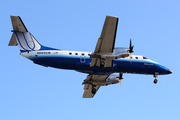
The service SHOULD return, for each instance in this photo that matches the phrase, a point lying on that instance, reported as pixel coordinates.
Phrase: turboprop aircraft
(99, 65)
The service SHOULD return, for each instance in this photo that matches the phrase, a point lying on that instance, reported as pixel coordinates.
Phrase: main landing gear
(155, 80)
(93, 89)
(102, 63)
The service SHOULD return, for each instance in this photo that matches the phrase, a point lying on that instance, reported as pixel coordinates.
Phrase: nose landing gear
(155, 80)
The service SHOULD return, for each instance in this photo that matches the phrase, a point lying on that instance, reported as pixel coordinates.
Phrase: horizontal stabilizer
(13, 41)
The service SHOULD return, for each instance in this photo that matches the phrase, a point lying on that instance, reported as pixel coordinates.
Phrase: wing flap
(89, 89)
(99, 78)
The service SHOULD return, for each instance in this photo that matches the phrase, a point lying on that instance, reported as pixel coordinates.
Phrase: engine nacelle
(112, 79)
(117, 53)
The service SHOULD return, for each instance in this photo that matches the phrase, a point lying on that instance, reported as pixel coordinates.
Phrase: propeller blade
(120, 78)
(131, 47)
(130, 50)
(130, 44)
(120, 83)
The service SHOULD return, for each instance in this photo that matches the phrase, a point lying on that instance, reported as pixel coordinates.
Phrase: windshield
(144, 57)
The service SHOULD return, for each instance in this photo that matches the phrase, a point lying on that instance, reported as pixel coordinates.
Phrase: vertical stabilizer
(22, 37)
(18, 24)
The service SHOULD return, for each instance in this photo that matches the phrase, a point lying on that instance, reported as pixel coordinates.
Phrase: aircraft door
(83, 58)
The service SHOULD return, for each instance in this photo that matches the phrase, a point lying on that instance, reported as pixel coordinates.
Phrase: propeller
(131, 49)
(120, 78)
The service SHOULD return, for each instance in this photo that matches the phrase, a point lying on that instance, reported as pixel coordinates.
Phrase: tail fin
(22, 37)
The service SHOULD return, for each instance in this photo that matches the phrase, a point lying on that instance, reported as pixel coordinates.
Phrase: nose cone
(169, 72)
(163, 70)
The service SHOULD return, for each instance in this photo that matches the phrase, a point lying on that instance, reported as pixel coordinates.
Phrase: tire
(155, 81)
(93, 90)
(102, 64)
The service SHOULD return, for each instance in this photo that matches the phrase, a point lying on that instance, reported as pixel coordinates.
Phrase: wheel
(93, 90)
(155, 81)
(102, 64)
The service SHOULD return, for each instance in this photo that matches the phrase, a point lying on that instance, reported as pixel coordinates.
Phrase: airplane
(99, 65)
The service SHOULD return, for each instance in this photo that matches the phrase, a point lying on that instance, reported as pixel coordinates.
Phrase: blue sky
(32, 92)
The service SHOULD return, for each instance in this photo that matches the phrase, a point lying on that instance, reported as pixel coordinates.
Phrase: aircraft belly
(72, 64)
(58, 62)
(136, 67)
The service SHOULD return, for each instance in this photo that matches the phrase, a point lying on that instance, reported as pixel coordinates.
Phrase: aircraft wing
(105, 45)
(89, 89)
(106, 41)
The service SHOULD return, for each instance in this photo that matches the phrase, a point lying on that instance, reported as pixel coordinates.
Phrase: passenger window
(76, 53)
(82, 53)
(70, 53)
(136, 57)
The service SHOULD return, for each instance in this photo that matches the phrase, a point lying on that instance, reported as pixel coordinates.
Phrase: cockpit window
(144, 57)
